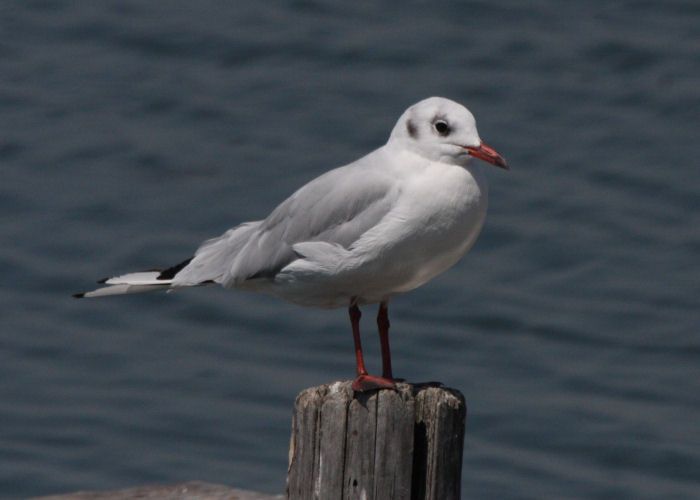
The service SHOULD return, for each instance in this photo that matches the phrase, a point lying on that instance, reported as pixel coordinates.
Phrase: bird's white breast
(438, 216)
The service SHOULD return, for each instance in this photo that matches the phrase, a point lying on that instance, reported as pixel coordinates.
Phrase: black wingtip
(170, 273)
(103, 281)
(78, 295)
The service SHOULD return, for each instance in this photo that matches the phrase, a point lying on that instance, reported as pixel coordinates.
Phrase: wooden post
(384, 445)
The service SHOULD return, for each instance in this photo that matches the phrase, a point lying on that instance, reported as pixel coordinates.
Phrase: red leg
(355, 316)
(383, 324)
(363, 381)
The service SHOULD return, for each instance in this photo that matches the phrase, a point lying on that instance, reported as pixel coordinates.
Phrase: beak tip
(488, 154)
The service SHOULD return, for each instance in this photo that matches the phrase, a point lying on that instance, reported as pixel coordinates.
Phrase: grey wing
(336, 208)
(213, 258)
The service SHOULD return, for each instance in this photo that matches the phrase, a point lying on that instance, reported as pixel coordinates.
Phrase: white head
(442, 130)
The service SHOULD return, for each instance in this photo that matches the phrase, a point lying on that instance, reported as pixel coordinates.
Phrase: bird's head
(443, 130)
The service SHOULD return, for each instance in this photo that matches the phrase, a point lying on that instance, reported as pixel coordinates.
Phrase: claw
(365, 383)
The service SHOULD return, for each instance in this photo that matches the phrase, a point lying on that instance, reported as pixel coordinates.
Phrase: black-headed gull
(359, 234)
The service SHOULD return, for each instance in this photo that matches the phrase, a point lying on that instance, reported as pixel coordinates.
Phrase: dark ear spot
(411, 128)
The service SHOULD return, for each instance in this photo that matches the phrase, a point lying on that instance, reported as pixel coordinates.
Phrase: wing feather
(336, 208)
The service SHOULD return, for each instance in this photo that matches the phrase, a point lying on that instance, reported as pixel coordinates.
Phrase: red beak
(487, 153)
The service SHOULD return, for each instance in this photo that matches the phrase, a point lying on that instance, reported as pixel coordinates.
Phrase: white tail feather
(146, 281)
(122, 289)
(140, 278)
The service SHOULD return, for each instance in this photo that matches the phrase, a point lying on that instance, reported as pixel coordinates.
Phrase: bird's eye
(442, 127)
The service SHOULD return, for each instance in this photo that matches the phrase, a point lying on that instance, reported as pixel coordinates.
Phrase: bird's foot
(369, 383)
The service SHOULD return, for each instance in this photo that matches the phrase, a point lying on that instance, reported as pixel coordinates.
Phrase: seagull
(359, 234)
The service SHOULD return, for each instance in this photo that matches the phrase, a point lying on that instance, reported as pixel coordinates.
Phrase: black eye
(442, 127)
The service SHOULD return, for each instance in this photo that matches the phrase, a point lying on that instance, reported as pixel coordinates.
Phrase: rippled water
(131, 131)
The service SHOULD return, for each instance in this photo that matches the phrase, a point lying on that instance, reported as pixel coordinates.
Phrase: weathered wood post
(382, 445)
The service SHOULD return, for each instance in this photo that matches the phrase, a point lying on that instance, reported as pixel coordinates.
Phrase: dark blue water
(131, 131)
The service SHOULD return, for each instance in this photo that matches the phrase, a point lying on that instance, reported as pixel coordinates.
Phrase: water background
(131, 131)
